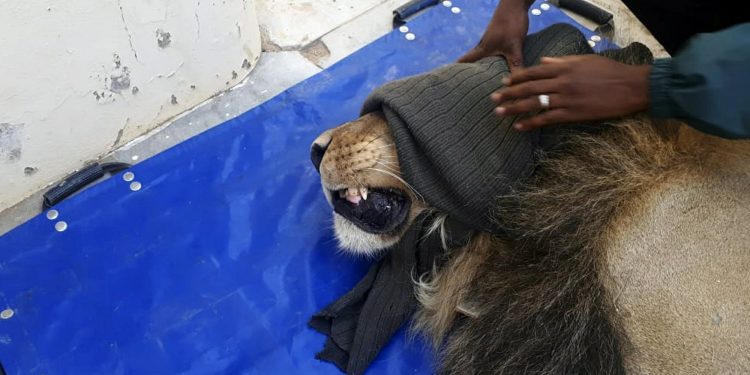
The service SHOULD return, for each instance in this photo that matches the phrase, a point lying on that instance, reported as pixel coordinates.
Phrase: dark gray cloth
(361, 322)
(451, 147)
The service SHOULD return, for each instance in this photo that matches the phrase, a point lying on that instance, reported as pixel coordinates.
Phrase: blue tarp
(216, 264)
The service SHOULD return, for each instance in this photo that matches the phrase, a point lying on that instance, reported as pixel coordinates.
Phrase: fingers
(523, 90)
(544, 71)
(553, 60)
(474, 55)
(514, 57)
(553, 116)
(529, 104)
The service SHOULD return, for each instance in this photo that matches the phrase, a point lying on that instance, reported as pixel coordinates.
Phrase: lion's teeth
(363, 192)
(352, 192)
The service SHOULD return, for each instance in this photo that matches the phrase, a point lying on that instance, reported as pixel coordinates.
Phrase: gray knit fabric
(452, 149)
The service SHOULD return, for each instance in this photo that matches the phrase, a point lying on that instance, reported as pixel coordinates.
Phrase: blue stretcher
(216, 264)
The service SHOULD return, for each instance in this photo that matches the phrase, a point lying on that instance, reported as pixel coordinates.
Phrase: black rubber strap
(2, 370)
(78, 181)
(588, 10)
(402, 13)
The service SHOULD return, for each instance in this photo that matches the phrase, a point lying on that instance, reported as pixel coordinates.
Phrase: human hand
(580, 88)
(504, 35)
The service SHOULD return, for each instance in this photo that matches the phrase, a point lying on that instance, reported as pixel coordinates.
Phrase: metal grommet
(592, 43)
(52, 214)
(404, 29)
(536, 12)
(135, 186)
(447, 4)
(456, 10)
(544, 6)
(410, 36)
(128, 176)
(61, 226)
(596, 38)
(7, 313)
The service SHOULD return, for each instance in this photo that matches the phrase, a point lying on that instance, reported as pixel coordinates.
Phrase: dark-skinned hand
(580, 88)
(504, 35)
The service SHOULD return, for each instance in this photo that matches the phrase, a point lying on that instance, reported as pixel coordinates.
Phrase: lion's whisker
(398, 178)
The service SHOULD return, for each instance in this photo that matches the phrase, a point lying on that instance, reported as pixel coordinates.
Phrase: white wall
(79, 78)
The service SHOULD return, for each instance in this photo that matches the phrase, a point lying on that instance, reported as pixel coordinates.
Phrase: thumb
(475, 54)
(514, 59)
(552, 60)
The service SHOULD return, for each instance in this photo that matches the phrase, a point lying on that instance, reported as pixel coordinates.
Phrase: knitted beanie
(451, 147)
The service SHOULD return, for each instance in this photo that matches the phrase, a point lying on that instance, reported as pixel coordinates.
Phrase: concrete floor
(290, 56)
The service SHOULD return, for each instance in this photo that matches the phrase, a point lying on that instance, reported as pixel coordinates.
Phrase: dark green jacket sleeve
(707, 84)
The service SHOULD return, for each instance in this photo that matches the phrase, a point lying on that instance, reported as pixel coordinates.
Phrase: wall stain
(10, 142)
(119, 134)
(163, 38)
(119, 78)
(173, 100)
(28, 171)
(104, 96)
(115, 82)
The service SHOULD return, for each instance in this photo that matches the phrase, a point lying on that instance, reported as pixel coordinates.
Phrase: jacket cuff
(661, 104)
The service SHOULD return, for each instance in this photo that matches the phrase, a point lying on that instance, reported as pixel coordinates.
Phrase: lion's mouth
(374, 210)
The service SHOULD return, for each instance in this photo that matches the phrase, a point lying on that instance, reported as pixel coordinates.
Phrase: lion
(626, 251)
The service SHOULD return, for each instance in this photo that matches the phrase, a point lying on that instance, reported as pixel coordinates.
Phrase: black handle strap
(78, 181)
(402, 13)
(588, 10)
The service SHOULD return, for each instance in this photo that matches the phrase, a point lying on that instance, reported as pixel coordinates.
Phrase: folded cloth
(361, 322)
(459, 156)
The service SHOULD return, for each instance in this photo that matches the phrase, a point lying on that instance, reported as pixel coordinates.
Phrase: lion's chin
(356, 241)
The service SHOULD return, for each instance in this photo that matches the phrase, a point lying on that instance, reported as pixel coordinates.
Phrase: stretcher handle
(402, 13)
(587, 10)
(78, 181)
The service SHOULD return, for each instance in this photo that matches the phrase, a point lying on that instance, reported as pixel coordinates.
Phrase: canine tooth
(352, 191)
(363, 192)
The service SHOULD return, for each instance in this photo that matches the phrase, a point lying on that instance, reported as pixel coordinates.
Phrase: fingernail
(500, 111)
(518, 126)
(505, 81)
(495, 97)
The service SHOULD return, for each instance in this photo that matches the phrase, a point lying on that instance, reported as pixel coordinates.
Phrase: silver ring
(544, 101)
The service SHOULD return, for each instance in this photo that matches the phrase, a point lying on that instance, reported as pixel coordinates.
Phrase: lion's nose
(318, 149)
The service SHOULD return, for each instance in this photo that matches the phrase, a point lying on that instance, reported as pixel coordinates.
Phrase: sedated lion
(628, 252)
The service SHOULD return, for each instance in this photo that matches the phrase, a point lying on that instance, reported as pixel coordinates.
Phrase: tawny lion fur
(590, 277)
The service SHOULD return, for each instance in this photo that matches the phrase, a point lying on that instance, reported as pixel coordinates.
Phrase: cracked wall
(84, 77)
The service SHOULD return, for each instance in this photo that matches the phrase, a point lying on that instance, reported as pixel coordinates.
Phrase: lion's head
(373, 205)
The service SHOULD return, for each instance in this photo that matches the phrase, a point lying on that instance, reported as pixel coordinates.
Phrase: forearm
(512, 6)
(510, 9)
(707, 84)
